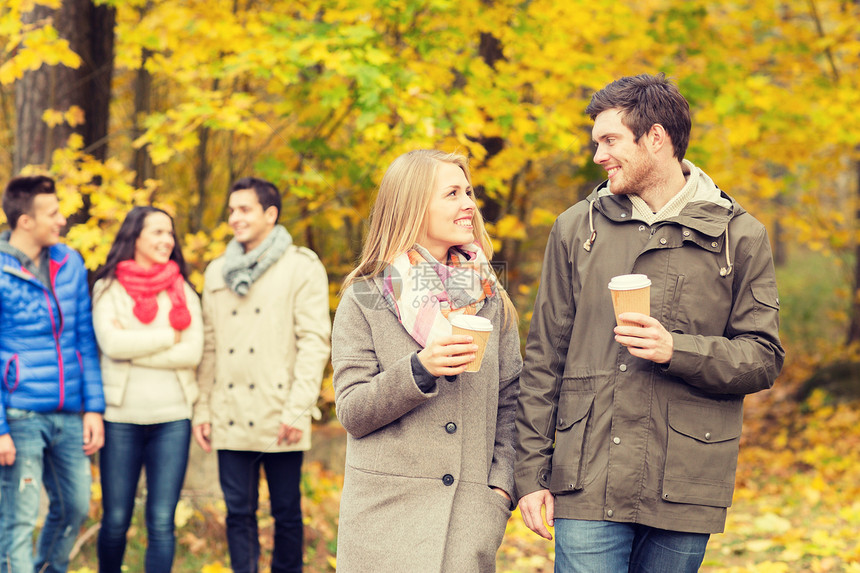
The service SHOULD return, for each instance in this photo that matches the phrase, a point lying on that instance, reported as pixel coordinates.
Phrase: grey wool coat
(419, 467)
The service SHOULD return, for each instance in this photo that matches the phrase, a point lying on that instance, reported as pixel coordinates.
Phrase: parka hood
(709, 211)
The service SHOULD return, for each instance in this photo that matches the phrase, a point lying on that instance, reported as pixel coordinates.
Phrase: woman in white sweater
(148, 324)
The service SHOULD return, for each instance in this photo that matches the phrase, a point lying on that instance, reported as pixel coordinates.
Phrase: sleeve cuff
(426, 382)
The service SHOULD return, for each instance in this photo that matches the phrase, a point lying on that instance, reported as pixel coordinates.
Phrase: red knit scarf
(143, 285)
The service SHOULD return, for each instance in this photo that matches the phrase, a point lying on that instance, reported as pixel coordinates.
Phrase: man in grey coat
(628, 435)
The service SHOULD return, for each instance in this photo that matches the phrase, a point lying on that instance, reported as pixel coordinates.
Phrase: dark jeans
(240, 478)
(162, 449)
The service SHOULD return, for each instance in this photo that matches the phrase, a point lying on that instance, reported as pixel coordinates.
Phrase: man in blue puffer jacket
(51, 398)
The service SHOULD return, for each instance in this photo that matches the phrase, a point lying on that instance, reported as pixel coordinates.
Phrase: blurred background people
(49, 363)
(149, 328)
(267, 328)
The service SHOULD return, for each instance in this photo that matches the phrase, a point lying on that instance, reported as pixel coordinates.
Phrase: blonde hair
(402, 200)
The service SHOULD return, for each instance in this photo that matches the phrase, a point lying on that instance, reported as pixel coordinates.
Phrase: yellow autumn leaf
(74, 116)
(510, 226)
(53, 117)
(542, 217)
(184, 512)
(772, 523)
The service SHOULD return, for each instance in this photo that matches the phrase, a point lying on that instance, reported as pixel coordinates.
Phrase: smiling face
(45, 222)
(250, 223)
(630, 167)
(156, 241)
(450, 213)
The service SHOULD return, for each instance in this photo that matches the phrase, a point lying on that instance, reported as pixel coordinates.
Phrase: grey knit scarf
(241, 269)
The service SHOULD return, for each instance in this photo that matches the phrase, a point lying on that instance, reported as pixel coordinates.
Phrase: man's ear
(658, 138)
(271, 215)
(25, 222)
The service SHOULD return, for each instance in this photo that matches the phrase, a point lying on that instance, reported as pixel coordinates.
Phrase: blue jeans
(240, 479)
(609, 547)
(49, 452)
(162, 450)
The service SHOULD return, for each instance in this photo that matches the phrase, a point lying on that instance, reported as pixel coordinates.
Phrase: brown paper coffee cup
(630, 293)
(479, 328)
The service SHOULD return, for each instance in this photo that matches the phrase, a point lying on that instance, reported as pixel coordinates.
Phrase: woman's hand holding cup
(448, 355)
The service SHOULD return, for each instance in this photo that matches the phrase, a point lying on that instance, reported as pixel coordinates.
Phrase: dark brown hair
(20, 193)
(645, 100)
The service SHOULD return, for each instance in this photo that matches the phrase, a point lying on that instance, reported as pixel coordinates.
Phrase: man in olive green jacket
(628, 435)
(266, 327)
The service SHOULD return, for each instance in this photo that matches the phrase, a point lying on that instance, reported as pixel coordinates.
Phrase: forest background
(129, 102)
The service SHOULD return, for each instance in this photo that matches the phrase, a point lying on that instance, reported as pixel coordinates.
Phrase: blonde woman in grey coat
(430, 452)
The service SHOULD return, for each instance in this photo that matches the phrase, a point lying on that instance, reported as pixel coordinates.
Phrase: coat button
(610, 513)
(448, 479)
(663, 241)
(251, 350)
(450, 427)
(251, 423)
(257, 310)
(230, 351)
(616, 440)
(641, 227)
(623, 368)
(707, 435)
(230, 385)
(686, 233)
(251, 387)
(230, 423)
(234, 312)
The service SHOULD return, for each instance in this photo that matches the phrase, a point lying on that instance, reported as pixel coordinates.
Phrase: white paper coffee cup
(630, 293)
(479, 328)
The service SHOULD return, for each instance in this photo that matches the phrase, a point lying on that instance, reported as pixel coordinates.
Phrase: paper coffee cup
(479, 328)
(630, 293)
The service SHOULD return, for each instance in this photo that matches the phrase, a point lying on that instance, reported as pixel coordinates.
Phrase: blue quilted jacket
(48, 353)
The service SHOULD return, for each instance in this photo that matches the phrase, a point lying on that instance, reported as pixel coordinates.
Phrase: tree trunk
(854, 327)
(143, 168)
(89, 31)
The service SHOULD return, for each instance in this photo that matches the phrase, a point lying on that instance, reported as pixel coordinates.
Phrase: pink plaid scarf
(425, 292)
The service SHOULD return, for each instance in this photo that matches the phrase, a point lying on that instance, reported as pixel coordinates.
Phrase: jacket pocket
(702, 452)
(570, 458)
(675, 308)
(11, 374)
(766, 293)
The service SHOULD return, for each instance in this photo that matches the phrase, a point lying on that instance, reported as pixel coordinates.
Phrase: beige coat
(264, 353)
(124, 340)
(416, 494)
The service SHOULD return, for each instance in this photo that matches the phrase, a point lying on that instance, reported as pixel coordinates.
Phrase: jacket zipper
(59, 353)
(58, 332)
